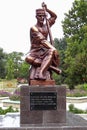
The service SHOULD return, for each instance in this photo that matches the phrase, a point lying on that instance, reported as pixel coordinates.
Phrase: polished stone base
(56, 111)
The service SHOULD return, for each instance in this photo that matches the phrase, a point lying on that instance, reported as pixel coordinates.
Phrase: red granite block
(42, 116)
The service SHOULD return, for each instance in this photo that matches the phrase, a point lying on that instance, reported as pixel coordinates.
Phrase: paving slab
(11, 121)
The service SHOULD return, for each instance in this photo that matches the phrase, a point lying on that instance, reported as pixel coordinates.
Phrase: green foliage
(2, 63)
(14, 61)
(12, 65)
(79, 91)
(75, 19)
(76, 93)
(76, 110)
(10, 69)
(57, 78)
(60, 45)
(82, 86)
(9, 109)
(24, 70)
(16, 95)
(85, 86)
(75, 32)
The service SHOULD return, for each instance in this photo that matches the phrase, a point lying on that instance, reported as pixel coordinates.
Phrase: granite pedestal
(42, 105)
(36, 118)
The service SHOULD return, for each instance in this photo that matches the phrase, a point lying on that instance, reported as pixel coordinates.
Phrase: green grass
(79, 91)
(8, 85)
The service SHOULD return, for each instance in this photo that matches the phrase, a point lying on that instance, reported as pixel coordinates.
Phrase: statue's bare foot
(36, 76)
(42, 77)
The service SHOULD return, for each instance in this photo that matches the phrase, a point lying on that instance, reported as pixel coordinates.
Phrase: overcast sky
(17, 16)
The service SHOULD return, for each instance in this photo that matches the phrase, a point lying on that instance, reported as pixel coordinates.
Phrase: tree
(60, 45)
(75, 19)
(75, 32)
(2, 63)
(24, 70)
(14, 62)
(10, 69)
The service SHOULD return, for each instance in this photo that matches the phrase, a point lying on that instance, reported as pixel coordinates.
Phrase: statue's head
(40, 15)
(40, 12)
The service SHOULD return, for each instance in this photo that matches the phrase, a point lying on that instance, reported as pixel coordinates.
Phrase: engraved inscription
(43, 101)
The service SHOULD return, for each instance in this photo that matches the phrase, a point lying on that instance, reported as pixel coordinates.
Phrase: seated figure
(43, 56)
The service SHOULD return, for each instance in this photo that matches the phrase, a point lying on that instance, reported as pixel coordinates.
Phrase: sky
(17, 16)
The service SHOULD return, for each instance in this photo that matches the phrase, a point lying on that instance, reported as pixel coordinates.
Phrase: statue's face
(40, 18)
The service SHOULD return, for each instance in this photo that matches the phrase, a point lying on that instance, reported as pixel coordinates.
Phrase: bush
(9, 109)
(76, 110)
(76, 93)
(16, 95)
(82, 86)
(79, 91)
(85, 86)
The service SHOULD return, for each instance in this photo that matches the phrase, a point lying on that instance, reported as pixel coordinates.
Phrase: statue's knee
(29, 60)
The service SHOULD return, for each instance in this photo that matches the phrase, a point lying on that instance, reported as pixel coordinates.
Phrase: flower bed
(4, 93)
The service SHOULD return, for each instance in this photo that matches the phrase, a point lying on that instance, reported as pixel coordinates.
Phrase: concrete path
(13, 119)
(10, 120)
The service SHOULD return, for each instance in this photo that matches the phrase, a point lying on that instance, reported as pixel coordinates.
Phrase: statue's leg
(32, 72)
(33, 61)
(46, 64)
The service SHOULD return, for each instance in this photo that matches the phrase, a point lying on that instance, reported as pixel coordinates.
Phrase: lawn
(8, 85)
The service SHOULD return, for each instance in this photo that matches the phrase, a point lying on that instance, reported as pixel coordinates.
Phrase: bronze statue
(43, 56)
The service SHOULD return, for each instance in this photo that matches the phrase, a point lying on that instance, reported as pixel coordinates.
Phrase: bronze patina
(43, 56)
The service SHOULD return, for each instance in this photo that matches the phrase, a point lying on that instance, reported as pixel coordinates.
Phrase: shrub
(82, 86)
(9, 109)
(16, 95)
(77, 92)
(85, 86)
(76, 110)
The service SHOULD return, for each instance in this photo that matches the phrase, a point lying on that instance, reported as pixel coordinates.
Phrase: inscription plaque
(43, 100)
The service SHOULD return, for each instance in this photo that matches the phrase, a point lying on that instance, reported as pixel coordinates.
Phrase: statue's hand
(44, 5)
(60, 71)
